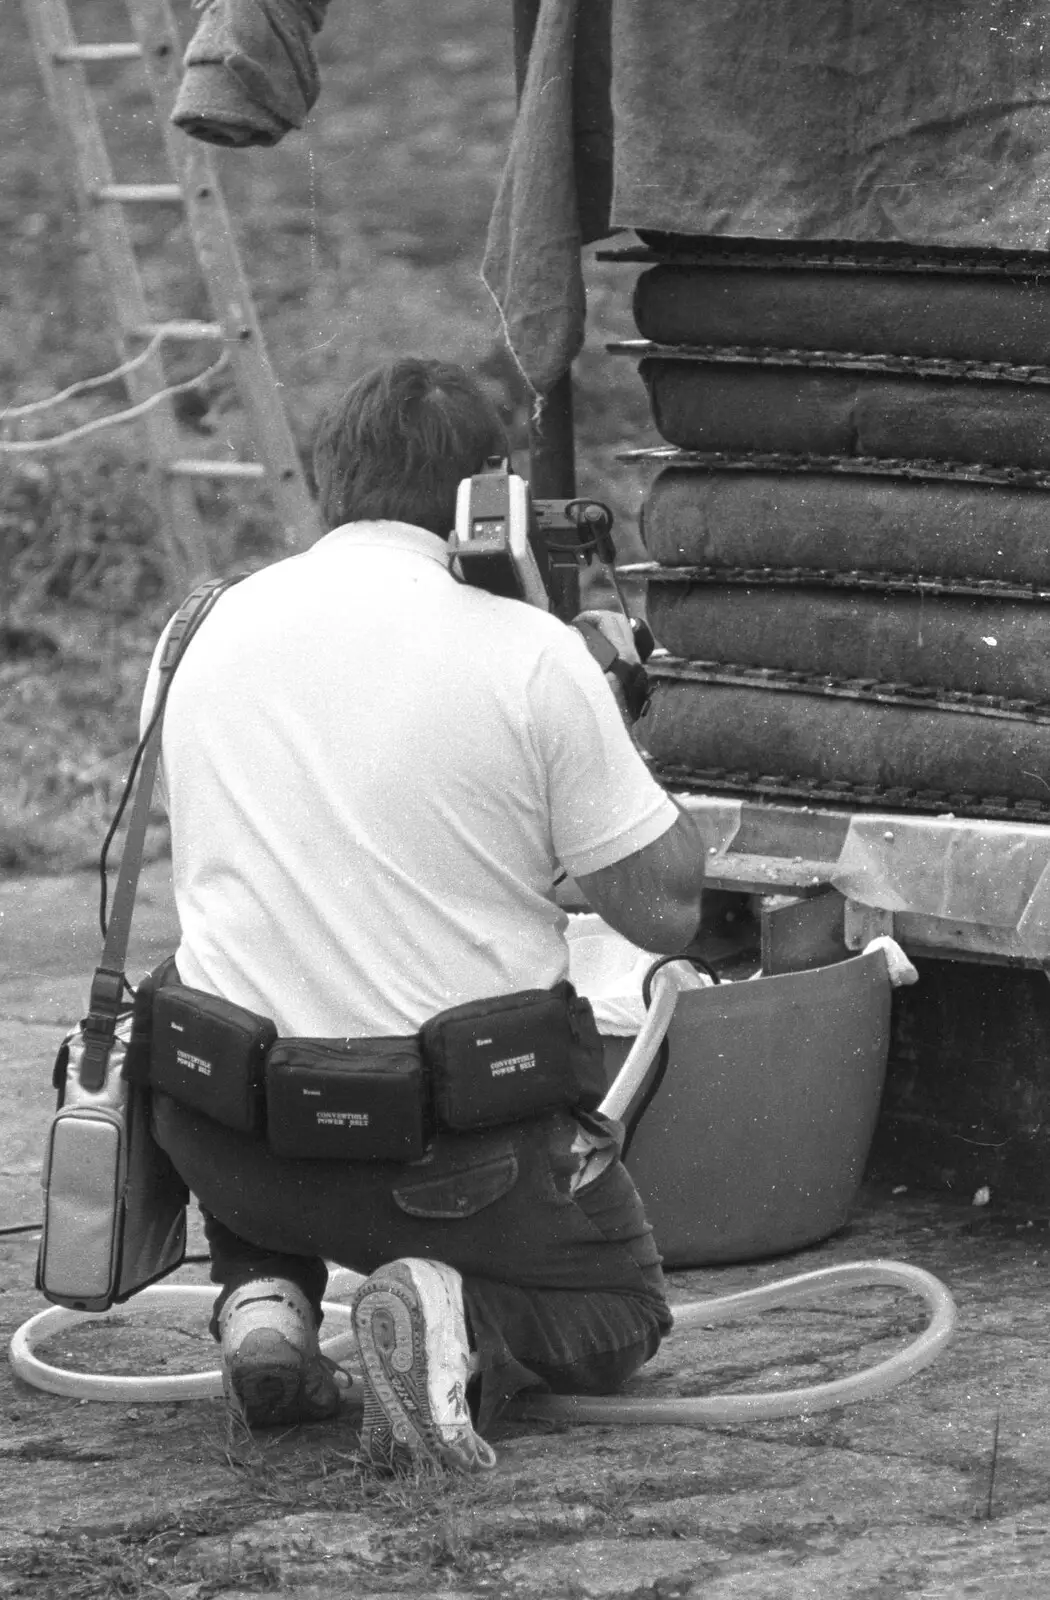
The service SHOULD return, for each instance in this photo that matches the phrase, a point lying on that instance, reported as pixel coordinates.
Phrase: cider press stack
(850, 533)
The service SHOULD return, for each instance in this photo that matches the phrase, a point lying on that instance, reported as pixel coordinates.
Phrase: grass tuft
(117, 1567)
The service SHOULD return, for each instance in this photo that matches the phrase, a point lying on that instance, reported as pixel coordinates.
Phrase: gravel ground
(937, 1490)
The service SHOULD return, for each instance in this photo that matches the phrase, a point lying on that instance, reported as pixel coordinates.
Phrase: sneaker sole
(397, 1427)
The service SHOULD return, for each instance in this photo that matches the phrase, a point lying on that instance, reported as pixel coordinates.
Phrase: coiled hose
(691, 1412)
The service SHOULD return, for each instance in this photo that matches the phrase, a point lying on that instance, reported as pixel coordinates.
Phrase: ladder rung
(97, 52)
(178, 330)
(130, 194)
(186, 186)
(216, 469)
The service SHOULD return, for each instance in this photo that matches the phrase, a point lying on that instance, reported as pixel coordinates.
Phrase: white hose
(668, 983)
(117, 1386)
(689, 1413)
(711, 1410)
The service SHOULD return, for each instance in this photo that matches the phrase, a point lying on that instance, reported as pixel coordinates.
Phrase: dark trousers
(562, 1291)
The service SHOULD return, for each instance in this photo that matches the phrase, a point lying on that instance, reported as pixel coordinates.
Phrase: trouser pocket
(461, 1191)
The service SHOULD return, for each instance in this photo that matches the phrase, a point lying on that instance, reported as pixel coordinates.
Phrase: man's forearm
(653, 897)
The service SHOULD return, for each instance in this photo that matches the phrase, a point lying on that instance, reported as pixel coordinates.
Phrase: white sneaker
(412, 1334)
(272, 1366)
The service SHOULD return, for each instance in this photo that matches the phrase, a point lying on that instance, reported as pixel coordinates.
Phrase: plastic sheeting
(981, 872)
(991, 874)
(924, 121)
(608, 970)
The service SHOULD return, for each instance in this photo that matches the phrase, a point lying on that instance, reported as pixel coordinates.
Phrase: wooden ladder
(64, 65)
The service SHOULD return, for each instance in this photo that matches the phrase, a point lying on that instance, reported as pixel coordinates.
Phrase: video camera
(512, 545)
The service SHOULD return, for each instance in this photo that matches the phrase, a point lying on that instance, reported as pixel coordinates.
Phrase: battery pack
(208, 1054)
(83, 1182)
(347, 1099)
(114, 1207)
(515, 1057)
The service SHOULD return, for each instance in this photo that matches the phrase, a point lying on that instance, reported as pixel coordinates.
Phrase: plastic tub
(756, 1139)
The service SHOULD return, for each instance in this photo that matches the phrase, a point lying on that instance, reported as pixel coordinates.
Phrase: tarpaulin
(554, 193)
(926, 121)
(918, 121)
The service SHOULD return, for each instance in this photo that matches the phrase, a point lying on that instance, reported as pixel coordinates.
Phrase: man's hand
(615, 627)
(615, 632)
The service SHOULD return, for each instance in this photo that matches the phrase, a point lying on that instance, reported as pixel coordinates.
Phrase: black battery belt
(478, 1065)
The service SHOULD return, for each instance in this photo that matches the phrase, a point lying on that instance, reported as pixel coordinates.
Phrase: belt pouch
(347, 1099)
(504, 1060)
(208, 1055)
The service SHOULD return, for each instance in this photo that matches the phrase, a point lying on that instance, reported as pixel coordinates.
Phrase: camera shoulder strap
(107, 986)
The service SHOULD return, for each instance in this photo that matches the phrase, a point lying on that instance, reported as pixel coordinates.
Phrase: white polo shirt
(374, 774)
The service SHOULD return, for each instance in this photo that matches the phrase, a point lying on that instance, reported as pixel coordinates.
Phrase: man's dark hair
(398, 443)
